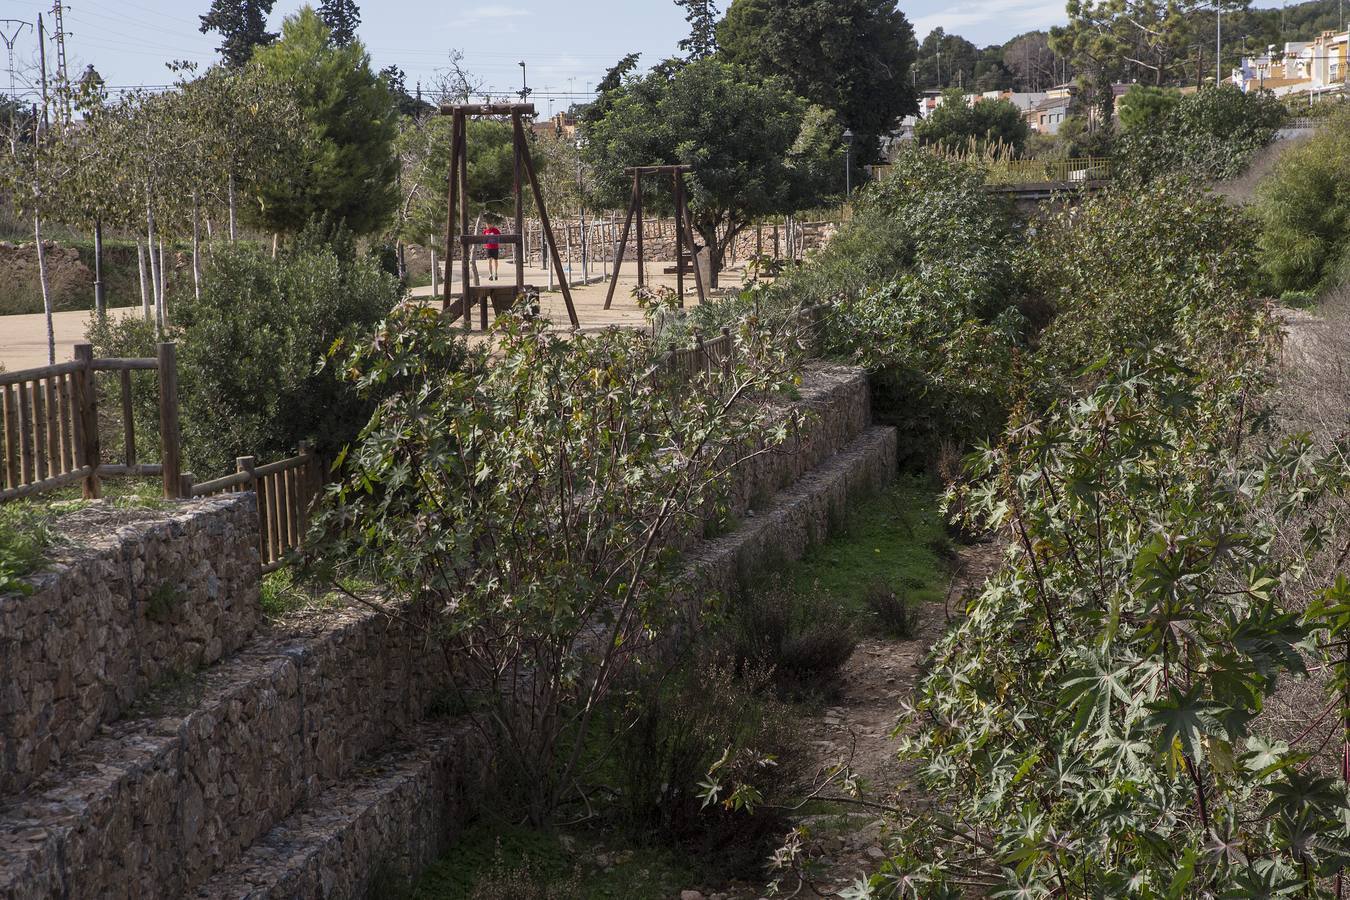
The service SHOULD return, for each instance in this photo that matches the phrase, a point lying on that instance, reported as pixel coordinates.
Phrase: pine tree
(702, 17)
(242, 25)
(342, 17)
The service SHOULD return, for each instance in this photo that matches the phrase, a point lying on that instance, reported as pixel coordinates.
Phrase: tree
(424, 147)
(946, 60)
(961, 127)
(702, 17)
(1145, 107)
(851, 56)
(349, 170)
(342, 18)
(1304, 208)
(242, 25)
(553, 472)
(739, 134)
(1032, 62)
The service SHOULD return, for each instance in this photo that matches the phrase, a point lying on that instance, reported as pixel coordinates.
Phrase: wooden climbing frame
(459, 202)
(684, 230)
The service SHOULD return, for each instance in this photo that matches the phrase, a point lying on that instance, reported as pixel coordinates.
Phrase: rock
(875, 852)
(691, 895)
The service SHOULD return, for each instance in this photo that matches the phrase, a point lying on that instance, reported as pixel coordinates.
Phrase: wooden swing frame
(459, 191)
(684, 230)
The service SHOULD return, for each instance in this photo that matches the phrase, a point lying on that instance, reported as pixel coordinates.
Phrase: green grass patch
(25, 535)
(895, 540)
(500, 861)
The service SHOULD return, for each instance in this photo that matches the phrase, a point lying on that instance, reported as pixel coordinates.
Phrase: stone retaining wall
(200, 770)
(369, 836)
(115, 615)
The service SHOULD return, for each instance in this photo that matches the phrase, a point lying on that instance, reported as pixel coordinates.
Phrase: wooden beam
(450, 222)
(518, 195)
(487, 109)
(623, 245)
(544, 223)
(463, 176)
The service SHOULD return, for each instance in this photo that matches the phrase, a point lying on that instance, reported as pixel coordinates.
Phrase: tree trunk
(163, 297)
(401, 255)
(276, 240)
(234, 231)
(140, 265)
(155, 282)
(100, 290)
(435, 275)
(196, 250)
(46, 289)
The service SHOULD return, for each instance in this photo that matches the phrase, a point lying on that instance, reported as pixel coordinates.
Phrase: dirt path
(875, 682)
(23, 339)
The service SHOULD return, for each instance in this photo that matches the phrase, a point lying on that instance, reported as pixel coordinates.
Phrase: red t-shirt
(493, 230)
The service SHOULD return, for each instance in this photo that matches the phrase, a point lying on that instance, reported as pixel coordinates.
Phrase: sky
(566, 44)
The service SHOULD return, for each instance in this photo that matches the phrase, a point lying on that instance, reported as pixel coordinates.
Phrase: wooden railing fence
(51, 425)
(718, 355)
(286, 492)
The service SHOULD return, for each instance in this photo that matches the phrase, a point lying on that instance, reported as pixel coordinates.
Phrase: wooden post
(623, 245)
(246, 464)
(128, 420)
(450, 220)
(543, 219)
(518, 194)
(677, 184)
(310, 483)
(169, 435)
(683, 212)
(86, 402)
(641, 257)
(726, 355)
(465, 262)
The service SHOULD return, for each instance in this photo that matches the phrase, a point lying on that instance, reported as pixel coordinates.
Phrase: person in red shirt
(494, 250)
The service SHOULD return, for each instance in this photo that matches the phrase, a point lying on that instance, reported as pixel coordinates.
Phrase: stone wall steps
(375, 830)
(160, 800)
(369, 834)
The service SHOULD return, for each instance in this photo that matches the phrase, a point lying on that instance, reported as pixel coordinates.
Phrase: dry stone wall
(305, 764)
(199, 771)
(115, 615)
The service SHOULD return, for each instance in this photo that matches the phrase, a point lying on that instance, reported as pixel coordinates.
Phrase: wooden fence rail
(286, 492)
(50, 436)
(718, 355)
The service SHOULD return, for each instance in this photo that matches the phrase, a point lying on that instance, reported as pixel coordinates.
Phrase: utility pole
(1218, 45)
(62, 75)
(42, 66)
(16, 26)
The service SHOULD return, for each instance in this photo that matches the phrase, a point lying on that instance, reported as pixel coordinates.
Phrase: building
(1314, 66)
(1048, 115)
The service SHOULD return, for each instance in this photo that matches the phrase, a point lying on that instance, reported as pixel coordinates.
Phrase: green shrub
(25, 535)
(974, 127)
(1210, 134)
(1304, 210)
(802, 638)
(894, 611)
(1129, 269)
(675, 726)
(1298, 299)
(1146, 107)
(922, 282)
(251, 373)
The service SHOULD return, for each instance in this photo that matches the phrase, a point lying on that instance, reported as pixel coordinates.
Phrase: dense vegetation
(1304, 209)
(251, 350)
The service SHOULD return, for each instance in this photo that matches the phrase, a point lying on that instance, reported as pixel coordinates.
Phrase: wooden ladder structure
(502, 297)
(684, 233)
